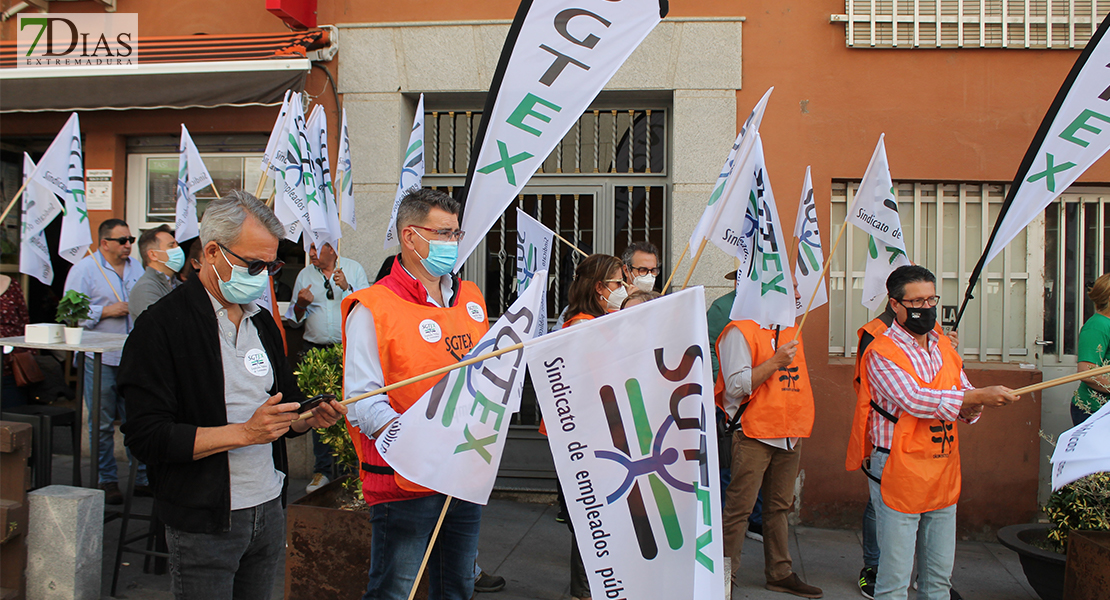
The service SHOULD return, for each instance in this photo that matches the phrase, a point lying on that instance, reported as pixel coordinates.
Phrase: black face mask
(920, 320)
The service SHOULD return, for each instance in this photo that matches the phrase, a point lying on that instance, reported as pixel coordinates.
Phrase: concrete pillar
(65, 543)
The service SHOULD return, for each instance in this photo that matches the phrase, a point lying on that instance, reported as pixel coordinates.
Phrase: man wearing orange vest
(416, 319)
(763, 387)
(912, 388)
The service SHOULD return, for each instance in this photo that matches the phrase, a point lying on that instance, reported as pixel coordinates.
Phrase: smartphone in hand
(314, 401)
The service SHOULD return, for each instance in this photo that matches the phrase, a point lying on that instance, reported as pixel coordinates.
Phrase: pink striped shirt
(898, 393)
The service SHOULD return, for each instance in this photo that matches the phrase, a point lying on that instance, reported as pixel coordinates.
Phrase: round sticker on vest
(257, 363)
(430, 331)
(475, 311)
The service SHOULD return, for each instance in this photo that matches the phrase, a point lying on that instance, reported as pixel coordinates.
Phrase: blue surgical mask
(441, 256)
(242, 287)
(175, 258)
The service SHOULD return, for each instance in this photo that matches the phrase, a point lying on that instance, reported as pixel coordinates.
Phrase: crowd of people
(207, 397)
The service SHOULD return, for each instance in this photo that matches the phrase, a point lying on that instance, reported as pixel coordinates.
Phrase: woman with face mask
(598, 289)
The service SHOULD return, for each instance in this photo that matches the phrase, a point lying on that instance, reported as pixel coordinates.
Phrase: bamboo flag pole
(11, 204)
(1036, 387)
(675, 269)
(828, 261)
(431, 544)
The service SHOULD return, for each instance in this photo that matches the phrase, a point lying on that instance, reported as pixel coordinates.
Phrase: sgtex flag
(718, 221)
(192, 177)
(875, 211)
(61, 170)
(764, 286)
(273, 163)
(452, 438)
(1073, 135)
(563, 53)
(317, 134)
(412, 171)
(629, 413)
(1082, 450)
(343, 178)
(533, 255)
(297, 192)
(807, 269)
(39, 209)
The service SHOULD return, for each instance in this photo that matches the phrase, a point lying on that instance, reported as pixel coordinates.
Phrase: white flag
(39, 209)
(344, 182)
(412, 172)
(764, 286)
(720, 216)
(811, 257)
(533, 254)
(568, 51)
(61, 170)
(452, 438)
(270, 158)
(292, 204)
(1083, 449)
(325, 194)
(192, 177)
(875, 211)
(634, 441)
(313, 174)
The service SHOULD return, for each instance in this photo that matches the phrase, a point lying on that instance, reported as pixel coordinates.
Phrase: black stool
(155, 536)
(49, 417)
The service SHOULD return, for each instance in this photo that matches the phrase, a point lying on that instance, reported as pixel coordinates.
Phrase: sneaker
(489, 583)
(561, 516)
(754, 532)
(867, 582)
(112, 495)
(319, 480)
(794, 585)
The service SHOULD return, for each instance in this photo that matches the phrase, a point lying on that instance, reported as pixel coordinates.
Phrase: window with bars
(1077, 251)
(946, 226)
(1042, 24)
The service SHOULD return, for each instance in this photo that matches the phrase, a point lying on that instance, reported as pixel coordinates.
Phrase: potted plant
(1080, 505)
(72, 309)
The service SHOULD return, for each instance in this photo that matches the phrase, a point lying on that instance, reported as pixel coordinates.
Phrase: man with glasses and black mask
(319, 292)
(640, 264)
(106, 277)
(912, 389)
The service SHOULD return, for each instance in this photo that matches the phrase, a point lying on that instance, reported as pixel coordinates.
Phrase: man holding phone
(214, 444)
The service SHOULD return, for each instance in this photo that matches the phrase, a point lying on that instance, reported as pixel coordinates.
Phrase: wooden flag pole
(431, 544)
(1036, 387)
(828, 261)
(793, 255)
(262, 181)
(675, 269)
(15, 199)
(270, 200)
(565, 241)
(697, 257)
(89, 252)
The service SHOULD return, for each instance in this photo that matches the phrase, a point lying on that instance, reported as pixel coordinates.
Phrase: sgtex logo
(648, 461)
(78, 40)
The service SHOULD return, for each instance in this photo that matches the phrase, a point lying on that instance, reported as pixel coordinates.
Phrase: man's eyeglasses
(328, 291)
(127, 239)
(642, 271)
(929, 302)
(255, 266)
(451, 235)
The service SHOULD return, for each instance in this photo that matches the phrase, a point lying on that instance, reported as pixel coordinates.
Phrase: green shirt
(1094, 347)
(717, 318)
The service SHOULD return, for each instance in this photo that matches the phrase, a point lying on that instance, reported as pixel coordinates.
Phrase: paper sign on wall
(98, 189)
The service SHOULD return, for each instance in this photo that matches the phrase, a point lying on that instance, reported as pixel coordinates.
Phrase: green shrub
(1082, 504)
(321, 372)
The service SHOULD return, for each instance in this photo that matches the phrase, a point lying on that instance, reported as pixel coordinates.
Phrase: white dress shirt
(322, 318)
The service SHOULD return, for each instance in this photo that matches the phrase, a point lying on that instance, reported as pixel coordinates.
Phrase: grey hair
(418, 202)
(224, 218)
(645, 247)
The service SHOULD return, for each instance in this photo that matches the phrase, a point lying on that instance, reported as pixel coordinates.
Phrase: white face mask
(644, 283)
(616, 298)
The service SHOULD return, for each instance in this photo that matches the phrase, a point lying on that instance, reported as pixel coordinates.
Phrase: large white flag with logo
(317, 134)
(764, 286)
(39, 209)
(344, 181)
(412, 172)
(273, 163)
(313, 175)
(452, 438)
(192, 177)
(632, 433)
(811, 257)
(1083, 449)
(61, 170)
(533, 254)
(875, 211)
(557, 57)
(293, 206)
(718, 220)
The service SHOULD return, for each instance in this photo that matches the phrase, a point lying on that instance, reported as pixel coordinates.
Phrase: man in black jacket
(210, 399)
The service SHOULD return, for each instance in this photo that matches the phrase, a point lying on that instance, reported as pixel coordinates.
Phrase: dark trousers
(321, 451)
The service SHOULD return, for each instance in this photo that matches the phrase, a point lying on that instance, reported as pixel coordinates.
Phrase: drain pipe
(15, 8)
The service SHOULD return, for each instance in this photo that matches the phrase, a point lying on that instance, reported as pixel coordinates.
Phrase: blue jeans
(322, 452)
(111, 408)
(932, 535)
(240, 564)
(402, 530)
(870, 536)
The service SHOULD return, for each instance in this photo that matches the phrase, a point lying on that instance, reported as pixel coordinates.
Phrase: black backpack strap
(375, 469)
(883, 412)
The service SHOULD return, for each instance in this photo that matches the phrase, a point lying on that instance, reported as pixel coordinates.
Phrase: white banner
(633, 437)
(39, 208)
(1083, 449)
(292, 205)
(313, 175)
(317, 133)
(270, 158)
(412, 172)
(720, 215)
(192, 177)
(764, 286)
(61, 170)
(875, 211)
(533, 254)
(563, 55)
(811, 257)
(343, 177)
(452, 438)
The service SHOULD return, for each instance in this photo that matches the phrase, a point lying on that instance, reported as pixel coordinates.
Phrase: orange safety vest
(923, 471)
(412, 339)
(566, 323)
(783, 405)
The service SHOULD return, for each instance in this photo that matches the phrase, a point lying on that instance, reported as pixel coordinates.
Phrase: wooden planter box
(1087, 576)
